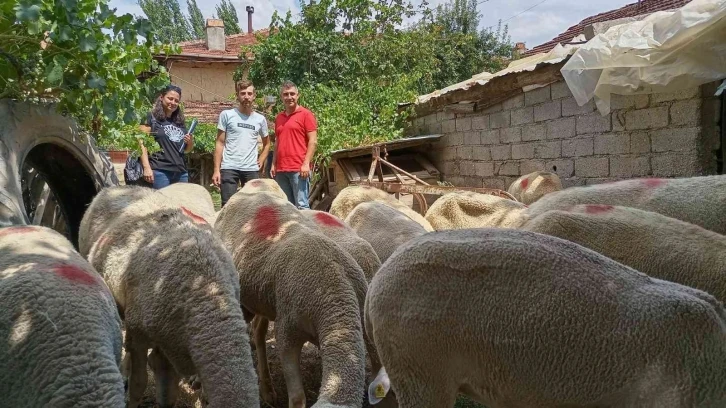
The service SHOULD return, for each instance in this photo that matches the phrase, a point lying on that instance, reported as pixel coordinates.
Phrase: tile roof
(630, 10)
(232, 44)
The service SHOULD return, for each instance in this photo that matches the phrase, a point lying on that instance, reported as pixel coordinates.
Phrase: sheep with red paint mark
(659, 246)
(697, 200)
(350, 197)
(533, 186)
(60, 329)
(384, 227)
(309, 286)
(468, 209)
(260, 185)
(177, 289)
(540, 322)
(194, 198)
(346, 237)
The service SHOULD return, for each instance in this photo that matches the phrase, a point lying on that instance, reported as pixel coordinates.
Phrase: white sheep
(195, 198)
(531, 187)
(466, 209)
(384, 227)
(698, 200)
(659, 246)
(116, 200)
(311, 288)
(343, 235)
(540, 322)
(177, 290)
(60, 330)
(259, 185)
(351, 196)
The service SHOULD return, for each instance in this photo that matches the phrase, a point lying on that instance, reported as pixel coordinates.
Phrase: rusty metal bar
(403, 171)
(436, 190)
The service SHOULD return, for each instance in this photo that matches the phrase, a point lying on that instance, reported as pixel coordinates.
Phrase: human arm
(148, 173)
(189, 141)
(312, 144)
(218, 149)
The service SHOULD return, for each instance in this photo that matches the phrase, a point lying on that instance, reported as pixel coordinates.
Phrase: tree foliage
(354, 80)
(196, 19)
(81, 55)
(170, 24)
(228, 14)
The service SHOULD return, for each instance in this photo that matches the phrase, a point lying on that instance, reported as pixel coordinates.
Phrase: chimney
(250, 10)
(215, 35)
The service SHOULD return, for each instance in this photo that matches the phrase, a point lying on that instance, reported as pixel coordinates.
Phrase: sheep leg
(267, 392)
(251, 320)
(136, 364)
(166, 379)
(289, 347)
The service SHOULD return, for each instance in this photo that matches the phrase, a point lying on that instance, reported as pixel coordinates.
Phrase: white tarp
(665, 52)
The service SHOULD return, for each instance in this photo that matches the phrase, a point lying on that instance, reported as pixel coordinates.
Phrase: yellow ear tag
(380, 391)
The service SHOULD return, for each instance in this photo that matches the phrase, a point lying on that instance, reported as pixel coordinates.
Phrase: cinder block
(548, 150)
(510, 135)
(561, 128)
(612, 143)
(463, 124)
(594, 123)
(523, 151)
(537, 96)
(480, 122)
(522, 116)
(577, 147)
(563, 168)
(534, 132)
(501, 152)
(547, 111)
(592, 167)
(651, 118)
(675, 139)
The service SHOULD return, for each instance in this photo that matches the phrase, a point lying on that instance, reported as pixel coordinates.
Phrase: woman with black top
(166, 123)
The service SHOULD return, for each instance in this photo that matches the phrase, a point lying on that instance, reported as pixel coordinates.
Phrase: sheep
(193, 197)
(697, 200)
(343, 235)
(351, 196)
(303, 281)
(531, 187)
(659, 246)
(177, 290)
(466, 209)
(268, 185)
(60, 330)
(115, 200)
(540, 322)
(384, 227)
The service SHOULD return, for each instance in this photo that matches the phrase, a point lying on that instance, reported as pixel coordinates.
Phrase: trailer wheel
(49, 170)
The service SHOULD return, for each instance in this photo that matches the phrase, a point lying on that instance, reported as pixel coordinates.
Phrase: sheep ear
(379, 387)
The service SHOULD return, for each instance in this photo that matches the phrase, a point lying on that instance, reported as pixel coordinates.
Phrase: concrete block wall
(663, 135)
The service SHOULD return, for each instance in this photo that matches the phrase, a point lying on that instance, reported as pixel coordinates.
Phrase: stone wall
(663, 135)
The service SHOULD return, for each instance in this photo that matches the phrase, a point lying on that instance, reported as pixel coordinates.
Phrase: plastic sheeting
(665, 52)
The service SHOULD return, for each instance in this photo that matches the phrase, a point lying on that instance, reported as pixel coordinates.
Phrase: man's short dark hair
(245, 83)
(287, 85)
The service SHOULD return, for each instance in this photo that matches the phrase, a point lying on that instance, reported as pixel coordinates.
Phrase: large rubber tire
(49, 170)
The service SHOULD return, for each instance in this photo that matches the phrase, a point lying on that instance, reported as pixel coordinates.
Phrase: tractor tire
(49, 169)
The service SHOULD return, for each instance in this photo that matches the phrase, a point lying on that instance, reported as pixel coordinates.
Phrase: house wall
(204, 82)
(662, 135)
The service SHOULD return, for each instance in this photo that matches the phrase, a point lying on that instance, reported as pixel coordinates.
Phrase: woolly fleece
(531, 187)
(540, 322)
(466, 209)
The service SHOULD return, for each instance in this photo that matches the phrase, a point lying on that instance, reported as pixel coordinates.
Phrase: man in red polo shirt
(296, 137)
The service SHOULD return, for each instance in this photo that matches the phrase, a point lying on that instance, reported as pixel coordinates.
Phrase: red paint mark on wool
(197, 219)
(255, 183)
(327, 219)
(653, 182)
(524, 183)
(266, 223)
(75, 274)
(103, 241)
(15, 230)
(598, 208)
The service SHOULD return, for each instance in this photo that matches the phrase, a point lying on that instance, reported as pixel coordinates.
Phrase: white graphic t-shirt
(240, 147)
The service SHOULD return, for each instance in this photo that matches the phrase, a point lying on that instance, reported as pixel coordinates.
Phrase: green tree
(228, 14)
(169, 23)
(461, 48)
(81, 56)
(196, 19)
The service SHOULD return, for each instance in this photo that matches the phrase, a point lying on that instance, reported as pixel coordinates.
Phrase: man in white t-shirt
(235, 155)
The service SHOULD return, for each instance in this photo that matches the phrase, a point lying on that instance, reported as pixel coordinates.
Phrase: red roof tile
(630, 10)
(233, 44)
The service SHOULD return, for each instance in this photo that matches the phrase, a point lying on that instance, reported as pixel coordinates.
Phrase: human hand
(216, 178)
(272, 170)
(187, 138)
(305, 170)
(148, 175)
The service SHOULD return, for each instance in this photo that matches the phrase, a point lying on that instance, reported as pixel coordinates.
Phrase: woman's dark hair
(177, 117)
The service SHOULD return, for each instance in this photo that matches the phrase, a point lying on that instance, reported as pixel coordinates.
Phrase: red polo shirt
(291, 138)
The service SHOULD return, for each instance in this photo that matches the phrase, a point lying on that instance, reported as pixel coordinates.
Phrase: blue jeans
(163, 178)
(296, 188)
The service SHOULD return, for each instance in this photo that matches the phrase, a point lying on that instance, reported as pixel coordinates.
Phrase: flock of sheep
(601, 296)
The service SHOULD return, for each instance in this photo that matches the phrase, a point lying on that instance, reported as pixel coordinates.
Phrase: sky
(544, 20)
